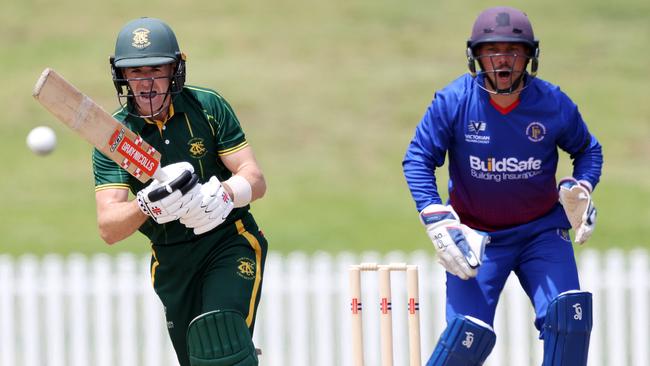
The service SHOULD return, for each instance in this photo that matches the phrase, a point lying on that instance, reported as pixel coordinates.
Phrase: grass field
(329, 93)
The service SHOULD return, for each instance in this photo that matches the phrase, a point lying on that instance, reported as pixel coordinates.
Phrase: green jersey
(201, 128)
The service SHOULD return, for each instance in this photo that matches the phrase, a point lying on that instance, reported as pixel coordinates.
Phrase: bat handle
(160, 175)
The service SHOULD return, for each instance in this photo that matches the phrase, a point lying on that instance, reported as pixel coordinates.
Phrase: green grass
(329, 93)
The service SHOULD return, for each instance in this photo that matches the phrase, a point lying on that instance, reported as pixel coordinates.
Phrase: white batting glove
(215, 206)
(460, 248)
(579, 208)
(167, 201)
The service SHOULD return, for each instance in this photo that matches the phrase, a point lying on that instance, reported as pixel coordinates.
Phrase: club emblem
(246, 268)
(535, 131)
(141, 38)
(197, 148)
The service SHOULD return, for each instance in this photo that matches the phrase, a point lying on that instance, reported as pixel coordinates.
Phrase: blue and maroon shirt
(502, 162)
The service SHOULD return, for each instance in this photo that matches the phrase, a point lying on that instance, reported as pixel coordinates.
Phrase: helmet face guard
(502, 25)
(490, 75)
(125, 94)
(146, 42)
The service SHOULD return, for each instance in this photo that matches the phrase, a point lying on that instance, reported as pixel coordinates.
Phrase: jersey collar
(178, 105)
(505, 110)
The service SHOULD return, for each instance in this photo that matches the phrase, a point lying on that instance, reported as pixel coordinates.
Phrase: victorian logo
(476, 126)
(476, 132)
(197, 148)
(536, 131)
(141, 38)
(246, 268)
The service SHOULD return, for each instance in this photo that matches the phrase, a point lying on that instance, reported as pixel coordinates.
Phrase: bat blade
(95, 125)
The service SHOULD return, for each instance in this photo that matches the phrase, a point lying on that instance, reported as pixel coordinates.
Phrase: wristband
(241, 190)
(586, 184)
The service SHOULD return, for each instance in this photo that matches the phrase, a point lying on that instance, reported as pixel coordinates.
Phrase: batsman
(501, 129)
(207, 251)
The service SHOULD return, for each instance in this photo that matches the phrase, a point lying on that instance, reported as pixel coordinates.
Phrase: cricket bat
(90, 121)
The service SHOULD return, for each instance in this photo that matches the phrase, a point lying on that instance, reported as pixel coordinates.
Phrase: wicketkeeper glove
(215, 206)
(167, 201)
(460, 248)
(579, 207)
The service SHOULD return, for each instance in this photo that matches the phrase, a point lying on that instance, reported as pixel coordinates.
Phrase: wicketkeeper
(208, 252)
(501, 128)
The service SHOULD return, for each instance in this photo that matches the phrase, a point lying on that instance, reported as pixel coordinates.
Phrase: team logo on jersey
(246, 268)
(536, 131)
(476, 132)
(197, 148)
(141, 38)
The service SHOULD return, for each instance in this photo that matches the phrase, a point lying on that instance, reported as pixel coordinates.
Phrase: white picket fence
(101, 310)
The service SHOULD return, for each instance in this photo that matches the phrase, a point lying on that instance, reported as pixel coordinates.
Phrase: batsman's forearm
(255, 178)
(117, 221)
(258, 184)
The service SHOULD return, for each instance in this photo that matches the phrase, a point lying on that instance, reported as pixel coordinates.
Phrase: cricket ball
(41, 140)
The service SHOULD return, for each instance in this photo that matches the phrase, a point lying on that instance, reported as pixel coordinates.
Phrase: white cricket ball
(41, 140)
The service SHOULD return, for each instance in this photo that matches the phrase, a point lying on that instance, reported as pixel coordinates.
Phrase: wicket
(386, 319)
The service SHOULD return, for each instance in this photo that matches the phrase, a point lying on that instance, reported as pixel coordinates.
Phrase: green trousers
(221, 270)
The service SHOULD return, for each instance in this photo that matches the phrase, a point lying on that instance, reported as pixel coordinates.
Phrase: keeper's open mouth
(504, 74)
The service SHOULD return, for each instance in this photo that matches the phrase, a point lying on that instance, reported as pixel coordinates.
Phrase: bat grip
(160, 175)
(184, 182)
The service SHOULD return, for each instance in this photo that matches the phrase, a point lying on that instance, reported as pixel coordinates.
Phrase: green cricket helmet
(146, 42)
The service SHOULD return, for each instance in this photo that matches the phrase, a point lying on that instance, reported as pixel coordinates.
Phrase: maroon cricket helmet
(502, 24)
